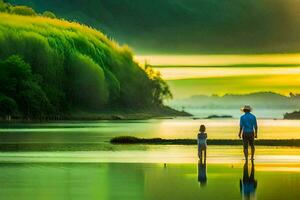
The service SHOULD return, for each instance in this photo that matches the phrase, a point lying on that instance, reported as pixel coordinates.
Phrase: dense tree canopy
(20, 87)
(51, 66)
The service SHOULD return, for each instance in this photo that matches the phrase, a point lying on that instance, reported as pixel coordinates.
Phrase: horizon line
(217, 59)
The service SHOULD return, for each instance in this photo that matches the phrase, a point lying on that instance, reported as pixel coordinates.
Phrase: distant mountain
(187, 26)
(265, 100)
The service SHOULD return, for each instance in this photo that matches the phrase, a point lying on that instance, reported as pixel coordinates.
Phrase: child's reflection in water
(202, 178)
(248, 184)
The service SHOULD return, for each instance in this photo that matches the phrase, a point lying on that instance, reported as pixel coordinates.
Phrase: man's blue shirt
(248, 123)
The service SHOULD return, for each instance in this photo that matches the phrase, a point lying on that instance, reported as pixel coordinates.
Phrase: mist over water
(236, 113)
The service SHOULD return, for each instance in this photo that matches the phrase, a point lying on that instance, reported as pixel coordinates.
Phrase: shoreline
(163, 113)
(94, 147)
(159, 141)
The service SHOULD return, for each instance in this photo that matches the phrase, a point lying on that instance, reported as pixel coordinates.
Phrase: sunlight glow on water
(158, 154)
(103, 131)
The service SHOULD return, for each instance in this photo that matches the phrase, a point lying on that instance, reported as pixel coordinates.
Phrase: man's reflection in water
(248, 184)
(202, 179)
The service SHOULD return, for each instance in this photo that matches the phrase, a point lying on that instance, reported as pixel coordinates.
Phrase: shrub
(49, 14)
(23, 10)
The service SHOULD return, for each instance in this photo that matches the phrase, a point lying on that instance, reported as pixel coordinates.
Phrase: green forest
(50, 67)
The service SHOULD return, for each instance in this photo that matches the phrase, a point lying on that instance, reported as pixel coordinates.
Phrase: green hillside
(51, 67)
(188, 26)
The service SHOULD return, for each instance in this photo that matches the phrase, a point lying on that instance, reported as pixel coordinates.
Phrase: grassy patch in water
(129, 140)
(160, 141)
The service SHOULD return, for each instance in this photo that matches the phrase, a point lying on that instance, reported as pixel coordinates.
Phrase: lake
(147, 171)
(103, 131)
(147, 181)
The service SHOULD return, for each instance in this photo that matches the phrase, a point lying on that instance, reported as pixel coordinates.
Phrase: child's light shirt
(202, 137)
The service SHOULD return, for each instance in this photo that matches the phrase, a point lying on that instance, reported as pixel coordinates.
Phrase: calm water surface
(147, 181)
(145, 171)
(103, 131)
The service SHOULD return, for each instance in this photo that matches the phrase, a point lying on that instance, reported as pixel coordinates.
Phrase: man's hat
(246, 107)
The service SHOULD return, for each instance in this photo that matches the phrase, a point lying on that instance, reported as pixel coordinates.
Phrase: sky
(190, 75)
(217, 59)
(188, 26)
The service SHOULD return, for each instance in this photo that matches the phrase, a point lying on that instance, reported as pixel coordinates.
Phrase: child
(202, 136)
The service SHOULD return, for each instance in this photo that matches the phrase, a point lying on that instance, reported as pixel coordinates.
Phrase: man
(248, 126)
